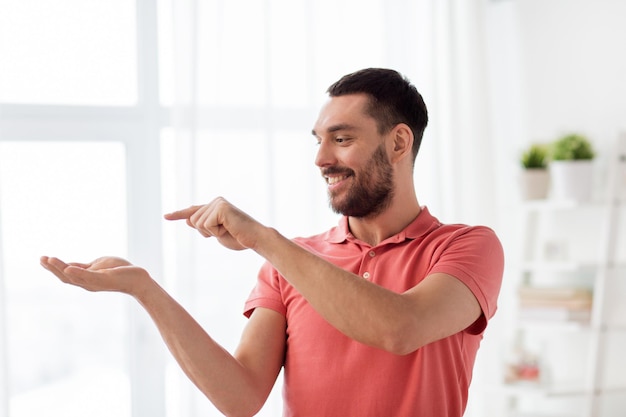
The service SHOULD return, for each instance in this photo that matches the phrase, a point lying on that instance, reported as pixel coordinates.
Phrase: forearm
(227, 383)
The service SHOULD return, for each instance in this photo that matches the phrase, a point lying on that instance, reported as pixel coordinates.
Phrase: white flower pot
(572, 180)
(534, 183)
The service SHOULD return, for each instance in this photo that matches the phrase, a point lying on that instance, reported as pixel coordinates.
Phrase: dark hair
(393, 100)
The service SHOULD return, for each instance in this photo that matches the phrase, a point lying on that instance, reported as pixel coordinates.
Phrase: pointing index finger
(182, 214)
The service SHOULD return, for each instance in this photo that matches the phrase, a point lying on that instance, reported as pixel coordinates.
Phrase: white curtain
(460, 127)
(4, 379)
(249, 78)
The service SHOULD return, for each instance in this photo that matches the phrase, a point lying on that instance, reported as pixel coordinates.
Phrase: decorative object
(534, 177)
(571, 168)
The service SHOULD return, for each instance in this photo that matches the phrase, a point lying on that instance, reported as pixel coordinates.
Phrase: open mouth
(335, 179)
(336, 175)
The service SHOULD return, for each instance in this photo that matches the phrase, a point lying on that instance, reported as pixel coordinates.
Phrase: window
(84, 111)
(74, 147)
(66, 352)
(68, 52)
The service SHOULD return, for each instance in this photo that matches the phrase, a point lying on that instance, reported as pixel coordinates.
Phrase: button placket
(367, 263)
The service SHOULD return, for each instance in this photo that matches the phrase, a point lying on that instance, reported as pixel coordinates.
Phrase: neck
(390, 222)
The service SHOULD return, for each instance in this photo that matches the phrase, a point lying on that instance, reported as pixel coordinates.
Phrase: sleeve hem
(275, 305)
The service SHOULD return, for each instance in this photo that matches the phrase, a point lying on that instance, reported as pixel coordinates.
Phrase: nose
(325, 156)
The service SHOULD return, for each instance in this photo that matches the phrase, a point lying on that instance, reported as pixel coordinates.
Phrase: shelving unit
(567, 292)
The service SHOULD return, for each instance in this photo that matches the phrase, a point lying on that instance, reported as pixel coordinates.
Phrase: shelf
(554, 205)
(557, 325)
(559, 266)
(568, 266)
(563, 326)
(564, 287)
(541, 390)
(540, 415)
(550, 391)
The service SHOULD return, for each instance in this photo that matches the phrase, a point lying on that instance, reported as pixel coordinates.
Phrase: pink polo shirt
(328, 374)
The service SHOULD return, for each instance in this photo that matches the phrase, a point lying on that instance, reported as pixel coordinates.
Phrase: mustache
(336, 170)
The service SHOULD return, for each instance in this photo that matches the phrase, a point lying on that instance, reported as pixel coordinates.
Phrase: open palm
(103, 274)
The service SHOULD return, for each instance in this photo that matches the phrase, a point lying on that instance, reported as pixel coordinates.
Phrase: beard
(372, 191)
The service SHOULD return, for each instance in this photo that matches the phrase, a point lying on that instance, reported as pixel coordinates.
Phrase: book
(555, 314)
(555, 297)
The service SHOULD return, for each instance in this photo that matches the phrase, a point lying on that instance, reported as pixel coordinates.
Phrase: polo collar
(423, 223)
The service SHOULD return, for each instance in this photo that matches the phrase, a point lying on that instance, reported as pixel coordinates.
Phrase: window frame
(138, 129)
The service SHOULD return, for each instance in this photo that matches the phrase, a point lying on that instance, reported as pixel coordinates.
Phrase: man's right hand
(103, 274)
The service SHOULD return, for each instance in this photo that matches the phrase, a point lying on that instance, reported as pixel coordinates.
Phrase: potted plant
(572, 167)
(535, 177)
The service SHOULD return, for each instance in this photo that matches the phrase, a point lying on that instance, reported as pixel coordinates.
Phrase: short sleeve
(474, 255)
(266, 292)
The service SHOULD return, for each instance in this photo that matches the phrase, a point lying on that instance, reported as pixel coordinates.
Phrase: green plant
(536, 156)
(572, 147)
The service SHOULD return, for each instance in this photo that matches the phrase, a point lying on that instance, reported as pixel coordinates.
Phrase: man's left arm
(439, 306)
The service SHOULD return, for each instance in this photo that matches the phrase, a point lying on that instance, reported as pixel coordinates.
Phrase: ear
(402, 143)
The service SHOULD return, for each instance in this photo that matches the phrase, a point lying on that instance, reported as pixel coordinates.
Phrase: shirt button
(366, 275)
(372, 253)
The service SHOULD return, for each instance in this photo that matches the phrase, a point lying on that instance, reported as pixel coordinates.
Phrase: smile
(335, 179)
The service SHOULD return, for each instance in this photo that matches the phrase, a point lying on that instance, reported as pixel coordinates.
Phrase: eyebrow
(336, 128)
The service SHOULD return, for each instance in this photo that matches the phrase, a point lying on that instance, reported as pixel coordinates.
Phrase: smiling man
(372, 190)
(381, 316)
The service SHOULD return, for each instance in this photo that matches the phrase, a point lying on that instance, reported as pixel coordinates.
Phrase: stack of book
(559, 304)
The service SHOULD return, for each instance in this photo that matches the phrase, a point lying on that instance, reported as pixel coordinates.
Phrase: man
(380, 316)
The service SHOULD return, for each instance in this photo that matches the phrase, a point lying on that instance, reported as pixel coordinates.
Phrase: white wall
(555, 66)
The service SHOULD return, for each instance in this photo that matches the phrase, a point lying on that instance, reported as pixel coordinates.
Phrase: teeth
(335, 180)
